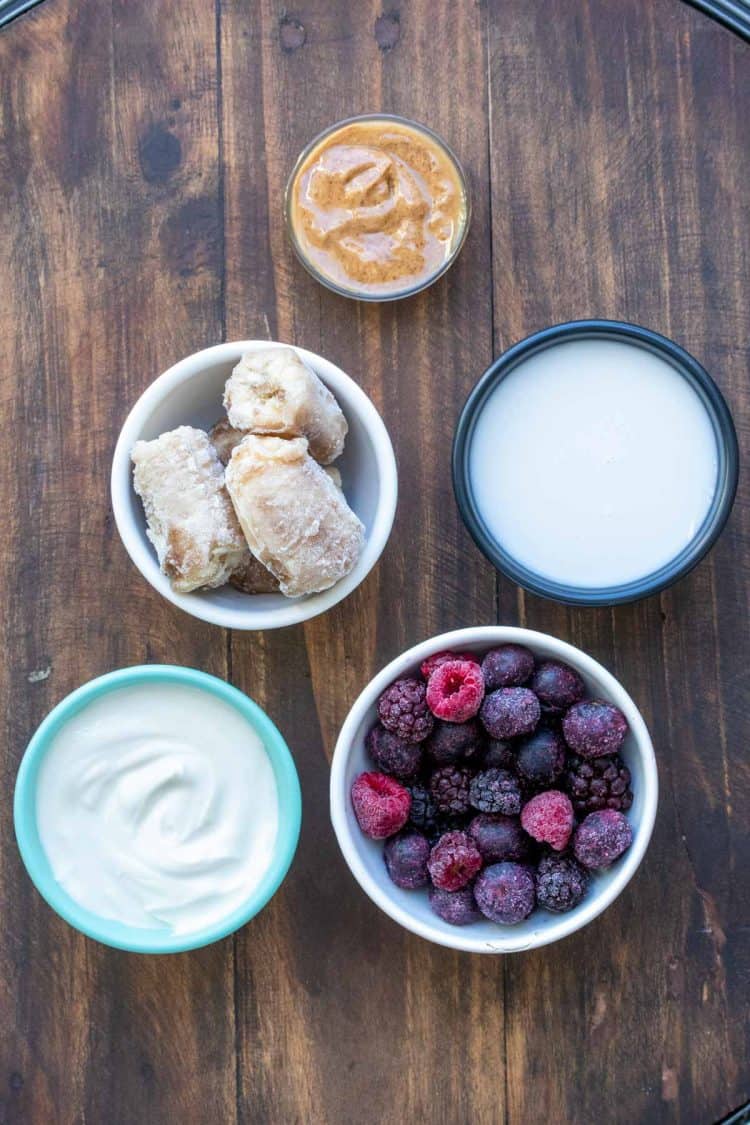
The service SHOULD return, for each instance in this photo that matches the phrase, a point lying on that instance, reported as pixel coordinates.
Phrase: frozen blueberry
(561, 883)
(594, 728)
(602, 838)
(510, 712)
(540, 758)
(499, 837)
(454, 742)
(391, 754)
(507, 666)
(406, 858)
(456, 907)
(558, 686)
(504, 892)
(498, 754)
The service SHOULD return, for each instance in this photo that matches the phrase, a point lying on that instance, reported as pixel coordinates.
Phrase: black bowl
(726, 443)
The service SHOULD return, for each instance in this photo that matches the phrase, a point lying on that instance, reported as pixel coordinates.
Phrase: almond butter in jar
(377, 207)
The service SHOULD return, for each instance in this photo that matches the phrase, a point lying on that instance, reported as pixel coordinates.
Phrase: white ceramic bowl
(411, 908)
(190, 393)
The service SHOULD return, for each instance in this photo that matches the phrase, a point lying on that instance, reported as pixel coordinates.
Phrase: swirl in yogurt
(157, 807)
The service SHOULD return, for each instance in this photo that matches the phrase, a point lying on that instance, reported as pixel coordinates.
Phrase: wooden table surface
(144, 146)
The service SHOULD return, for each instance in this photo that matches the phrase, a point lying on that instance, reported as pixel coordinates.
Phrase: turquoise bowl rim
(131, 938)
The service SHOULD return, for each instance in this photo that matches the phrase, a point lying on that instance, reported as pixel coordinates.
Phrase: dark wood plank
(621, 144)
(109, 243)
(324, 979)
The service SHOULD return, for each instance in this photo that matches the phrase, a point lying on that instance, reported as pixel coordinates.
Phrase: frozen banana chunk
(296, 521)
(190, 519)
(251, 577)
(273, 392)
(223, 438)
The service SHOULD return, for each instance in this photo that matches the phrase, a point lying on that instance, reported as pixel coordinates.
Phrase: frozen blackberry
(456, 907)
(454, 861)
(561, 883)
(597, 783)
(406, 858)
(403, 710)
(504, 892)
(423, 814)
(452, 742)
(449, 787)
(499, 837)
(498, 753)
(507, 666)
(558, 686)
(510, 712)
(495, 791)
(594, 728)
(391, 754)
(540, 759)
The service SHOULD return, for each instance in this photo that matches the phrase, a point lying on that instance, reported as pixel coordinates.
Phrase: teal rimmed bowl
(105, 930)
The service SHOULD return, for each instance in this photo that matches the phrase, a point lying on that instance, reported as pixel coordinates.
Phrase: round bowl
(114, 933)
(190, 393)
(726, 445)
(411, 908)
(352, 291)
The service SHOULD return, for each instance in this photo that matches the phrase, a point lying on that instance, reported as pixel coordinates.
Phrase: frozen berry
(558, 686)
(548, 817)
(403, 710)
(449, 787)
(391, 754)
(495, 791)
(561, 883)
(540, 759)
(602, 838)
(432, 662)
(452, 742)
(406, 858)
(455, 691)
(456, 907)
(499, 837)
(510, 712)
(507, 666)
(454, 861)
(598, 783)
(500, 754)
(424, 812)
(504, 892)
(594, 728)
(381, 805)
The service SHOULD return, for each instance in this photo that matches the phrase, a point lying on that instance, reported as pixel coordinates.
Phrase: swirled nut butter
(377, 207)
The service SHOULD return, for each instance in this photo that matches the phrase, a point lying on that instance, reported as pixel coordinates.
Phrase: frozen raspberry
(507, 666)
(548, 817)
(391, 754)
(602, 838)
(406, 858)
(540, 759)
(561, 883)
(558, 686)
(594, 728)
(499, 837)
(504, 892)
(510, 712)
(455, 691)
(449, 787)
(456, 907)
(454, 861)
(403, 710)
(452, 742)
(432, 662)
(498, 754)
(381, 805)
(598, 783)
(423, 814)
(495, 791)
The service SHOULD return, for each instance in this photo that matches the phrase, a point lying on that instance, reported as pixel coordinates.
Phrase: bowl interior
(106, 930)
(191, 394)
(411, 908)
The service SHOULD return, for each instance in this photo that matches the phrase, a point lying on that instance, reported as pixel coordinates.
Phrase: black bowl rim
(726, 483)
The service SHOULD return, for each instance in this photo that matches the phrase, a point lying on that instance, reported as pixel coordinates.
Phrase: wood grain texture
(144, 149)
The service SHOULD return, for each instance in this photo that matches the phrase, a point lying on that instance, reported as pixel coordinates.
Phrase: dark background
(144, 146)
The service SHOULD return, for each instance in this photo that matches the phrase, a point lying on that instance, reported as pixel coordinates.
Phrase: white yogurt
(593, 463)
(157, 807)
